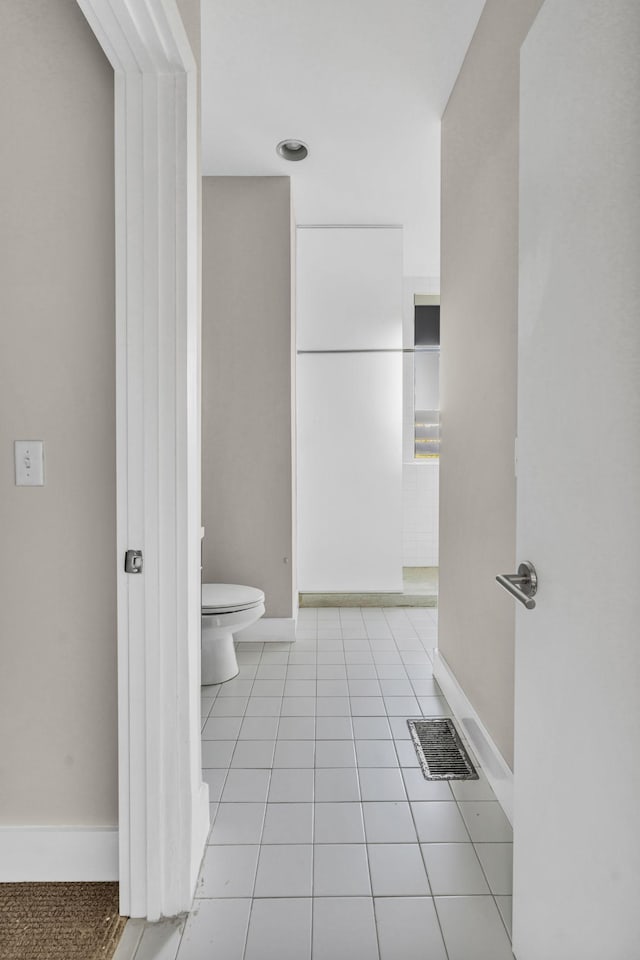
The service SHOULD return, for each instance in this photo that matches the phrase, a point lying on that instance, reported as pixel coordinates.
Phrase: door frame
(163, 804)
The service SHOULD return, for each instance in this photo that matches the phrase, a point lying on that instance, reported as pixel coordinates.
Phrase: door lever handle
(523, 585)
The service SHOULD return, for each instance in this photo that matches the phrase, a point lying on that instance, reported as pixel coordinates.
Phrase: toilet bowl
(227, 608)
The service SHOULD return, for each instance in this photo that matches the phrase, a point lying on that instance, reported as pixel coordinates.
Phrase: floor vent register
(440, 750)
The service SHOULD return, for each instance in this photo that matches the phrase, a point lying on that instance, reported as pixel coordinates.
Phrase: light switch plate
(29, 458)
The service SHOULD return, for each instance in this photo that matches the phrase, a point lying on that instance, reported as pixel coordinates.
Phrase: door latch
(133, 561)
(523, 585)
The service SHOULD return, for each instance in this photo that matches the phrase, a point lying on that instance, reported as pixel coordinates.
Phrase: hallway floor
(327, 842)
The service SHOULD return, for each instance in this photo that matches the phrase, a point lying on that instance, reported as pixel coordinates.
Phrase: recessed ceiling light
(292, 149)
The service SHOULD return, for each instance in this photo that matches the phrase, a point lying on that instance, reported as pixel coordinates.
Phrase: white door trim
(163, 805)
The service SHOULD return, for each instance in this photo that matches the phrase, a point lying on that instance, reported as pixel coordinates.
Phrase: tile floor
(326, 840)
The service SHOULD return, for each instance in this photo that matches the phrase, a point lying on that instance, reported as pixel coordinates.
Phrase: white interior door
(577, 760)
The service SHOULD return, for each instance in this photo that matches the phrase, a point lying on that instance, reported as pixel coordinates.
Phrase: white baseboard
(270, 629)
(494, 766)
(52, 854)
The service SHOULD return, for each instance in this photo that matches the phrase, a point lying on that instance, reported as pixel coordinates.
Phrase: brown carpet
(59, 921)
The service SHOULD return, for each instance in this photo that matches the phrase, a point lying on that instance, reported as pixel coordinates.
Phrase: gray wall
(57, 563)
(247, 342)
(479, 285)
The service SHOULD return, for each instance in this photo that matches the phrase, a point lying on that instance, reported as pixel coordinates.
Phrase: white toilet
(227, 608)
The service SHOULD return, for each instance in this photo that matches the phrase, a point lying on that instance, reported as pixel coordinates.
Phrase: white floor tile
(505, 908)
(333, 694)
(246, 786)
(331, 671)
(407, 756)
(361, 671)
(399, 728)
(334, 728)
(238, 823)
(274, 656)
(330, 640)
(364, 688)
(371, 728)
(298, 707)
(439, 822)
(427, 687)
(344, 929)
(331, 656)
(279, 929)
(358, 657)
(381, 783)
(284, 870)
(419, 671)
(302, 656)
(294, 753)
(387, 657)
(472, 927)
(335, 753)
(408, 643)
(401, 706)
(228, 871)
(397, 870)
(338, 823)
(453, 869)
(367, 707)
(376, 753)
(473, 790)
(216, 928)
(333, 707)
(259, 728)
(268, 688)
(288, 823)
(434, 706)
(300, 688)
(217, 753)
(264, 707)
(420, 789)
(238, 687)
(414, 657)
(301, 671)
(381, 640)
(391, 671)
(216, 780)
(332, 688)
(396, 688)
(253, 754)
(340, 870)
(408, 929)
(388, 822)
(222, 728)
(497, 863)
(486, 822)
(291, 786)
(297, 728)
(271, 671)
(340, 784)
(229, 707)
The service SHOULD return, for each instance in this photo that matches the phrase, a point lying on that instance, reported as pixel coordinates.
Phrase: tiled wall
(420, 514)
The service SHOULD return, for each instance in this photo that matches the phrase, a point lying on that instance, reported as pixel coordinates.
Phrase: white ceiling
(362, 82)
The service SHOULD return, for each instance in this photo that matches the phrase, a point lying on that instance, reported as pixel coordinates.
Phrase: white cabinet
(349, 409)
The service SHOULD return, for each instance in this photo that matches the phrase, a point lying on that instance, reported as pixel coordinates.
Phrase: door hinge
(133, 561)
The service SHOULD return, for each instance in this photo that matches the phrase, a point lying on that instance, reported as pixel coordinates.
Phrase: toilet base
(219, 661)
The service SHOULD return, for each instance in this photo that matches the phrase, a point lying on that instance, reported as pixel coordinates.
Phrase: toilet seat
(229, 598)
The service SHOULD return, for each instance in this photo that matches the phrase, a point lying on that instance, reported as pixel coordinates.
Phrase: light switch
(29, 456)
